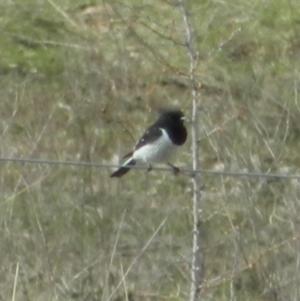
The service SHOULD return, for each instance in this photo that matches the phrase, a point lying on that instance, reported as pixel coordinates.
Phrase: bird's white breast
(157, 151)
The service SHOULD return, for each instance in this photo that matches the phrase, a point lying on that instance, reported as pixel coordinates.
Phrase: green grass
(81, 87)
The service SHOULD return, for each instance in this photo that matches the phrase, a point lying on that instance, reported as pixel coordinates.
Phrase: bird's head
(172, 116)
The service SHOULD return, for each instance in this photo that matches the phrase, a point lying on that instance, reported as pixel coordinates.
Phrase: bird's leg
(175, 169)
(149, 168)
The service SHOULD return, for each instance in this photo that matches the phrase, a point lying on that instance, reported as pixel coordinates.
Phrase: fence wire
(189, 172)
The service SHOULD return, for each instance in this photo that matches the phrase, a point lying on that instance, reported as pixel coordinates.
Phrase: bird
(158, 142)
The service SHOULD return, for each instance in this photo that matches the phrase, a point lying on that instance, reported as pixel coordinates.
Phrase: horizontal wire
(186, 171)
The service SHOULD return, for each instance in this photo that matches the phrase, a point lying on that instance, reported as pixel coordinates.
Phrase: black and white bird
(158, 143)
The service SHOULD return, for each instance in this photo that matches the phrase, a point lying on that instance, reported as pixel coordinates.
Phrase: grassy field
(79, 81)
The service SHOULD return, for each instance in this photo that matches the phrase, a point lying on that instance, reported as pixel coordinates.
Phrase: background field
(79, 80)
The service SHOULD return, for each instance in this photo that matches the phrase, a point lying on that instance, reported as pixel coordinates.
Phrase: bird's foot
(149, 168)
(175, 169)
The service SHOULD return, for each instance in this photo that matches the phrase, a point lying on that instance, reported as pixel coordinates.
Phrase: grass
(81, 86)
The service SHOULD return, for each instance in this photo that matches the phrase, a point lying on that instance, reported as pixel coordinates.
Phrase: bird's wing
(128, 155)
(151, 135)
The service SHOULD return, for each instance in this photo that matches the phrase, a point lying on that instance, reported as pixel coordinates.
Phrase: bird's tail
(124, 169)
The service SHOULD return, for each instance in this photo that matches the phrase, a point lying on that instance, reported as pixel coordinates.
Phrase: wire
(186, 171)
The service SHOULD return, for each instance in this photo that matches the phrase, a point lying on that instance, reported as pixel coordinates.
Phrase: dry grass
(80, 83)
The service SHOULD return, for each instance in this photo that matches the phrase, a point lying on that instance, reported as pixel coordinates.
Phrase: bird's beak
(185, 119)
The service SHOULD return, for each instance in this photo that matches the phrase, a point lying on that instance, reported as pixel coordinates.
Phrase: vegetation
(79, 81)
